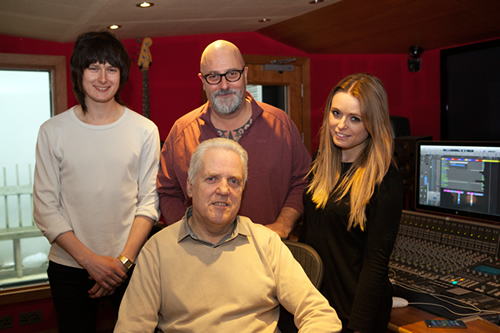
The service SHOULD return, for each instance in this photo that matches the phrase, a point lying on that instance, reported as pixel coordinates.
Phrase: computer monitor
(460, 179)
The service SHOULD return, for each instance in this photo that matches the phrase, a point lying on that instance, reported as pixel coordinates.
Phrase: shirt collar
(186, 231)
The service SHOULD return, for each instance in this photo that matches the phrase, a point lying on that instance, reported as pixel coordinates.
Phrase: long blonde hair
(373, 161)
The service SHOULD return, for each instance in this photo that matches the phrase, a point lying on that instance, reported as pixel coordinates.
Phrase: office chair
(312, 264)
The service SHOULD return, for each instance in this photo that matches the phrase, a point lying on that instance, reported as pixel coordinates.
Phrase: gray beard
(227, 108)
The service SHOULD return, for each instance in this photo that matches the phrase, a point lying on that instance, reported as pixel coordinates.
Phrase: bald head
(226, 97)
(221, 52)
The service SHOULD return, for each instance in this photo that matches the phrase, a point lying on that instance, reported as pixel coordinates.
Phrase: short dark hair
(97, 47)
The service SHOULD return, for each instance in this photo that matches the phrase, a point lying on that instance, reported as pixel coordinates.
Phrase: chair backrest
(309, 259)
(312, 264)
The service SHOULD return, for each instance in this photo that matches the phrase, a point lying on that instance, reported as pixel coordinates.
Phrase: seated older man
(215, 271)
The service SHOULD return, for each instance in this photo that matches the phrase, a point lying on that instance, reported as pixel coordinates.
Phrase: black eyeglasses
(231, 76)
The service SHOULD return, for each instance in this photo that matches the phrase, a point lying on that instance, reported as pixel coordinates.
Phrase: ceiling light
(313, 2)
(114, 27)
(145, 4)
(265, 20)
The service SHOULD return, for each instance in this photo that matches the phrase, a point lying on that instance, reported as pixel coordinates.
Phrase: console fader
(449, 256)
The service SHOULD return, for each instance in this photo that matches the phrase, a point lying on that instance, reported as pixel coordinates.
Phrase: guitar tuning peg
(138, 40)
(135, 53)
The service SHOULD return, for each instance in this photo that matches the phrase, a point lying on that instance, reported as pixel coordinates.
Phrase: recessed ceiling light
(145, 4)
(313, 2)
(265, 20)
(114, 27)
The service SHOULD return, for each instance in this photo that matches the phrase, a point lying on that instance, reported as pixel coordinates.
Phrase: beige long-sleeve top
(184, 285)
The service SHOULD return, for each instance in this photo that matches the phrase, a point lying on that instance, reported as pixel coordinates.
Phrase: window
(270, 94)
(28, 86)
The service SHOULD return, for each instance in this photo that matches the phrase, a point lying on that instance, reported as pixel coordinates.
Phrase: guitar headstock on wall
(145, 60)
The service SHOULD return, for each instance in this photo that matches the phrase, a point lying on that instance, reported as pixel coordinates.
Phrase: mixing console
(448, 256)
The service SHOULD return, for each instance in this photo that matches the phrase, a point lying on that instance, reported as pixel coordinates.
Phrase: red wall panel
(175, 88)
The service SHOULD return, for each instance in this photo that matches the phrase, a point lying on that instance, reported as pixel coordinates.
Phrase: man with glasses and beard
(279, 159)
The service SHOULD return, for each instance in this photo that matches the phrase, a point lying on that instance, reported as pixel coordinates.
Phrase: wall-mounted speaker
(405, 155)
(400, 126)
(414, 60)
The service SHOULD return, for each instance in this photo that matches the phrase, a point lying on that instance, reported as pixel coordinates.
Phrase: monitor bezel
(443, 210)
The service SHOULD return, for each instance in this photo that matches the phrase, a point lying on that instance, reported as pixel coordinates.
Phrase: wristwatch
(126, 262)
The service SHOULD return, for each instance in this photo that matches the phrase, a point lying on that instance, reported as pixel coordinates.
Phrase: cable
(444, 298)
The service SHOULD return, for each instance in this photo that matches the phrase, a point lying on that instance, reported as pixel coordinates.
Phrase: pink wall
(176, 89)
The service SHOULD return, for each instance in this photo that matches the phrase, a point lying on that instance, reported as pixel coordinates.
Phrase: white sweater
(94, 180)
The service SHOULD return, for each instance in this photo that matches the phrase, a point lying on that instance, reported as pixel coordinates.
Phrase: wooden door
(297, 83)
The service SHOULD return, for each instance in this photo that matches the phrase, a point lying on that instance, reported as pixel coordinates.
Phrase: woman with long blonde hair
(353, 203)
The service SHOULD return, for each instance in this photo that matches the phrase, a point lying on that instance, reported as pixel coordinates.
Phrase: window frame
(59, 100)
(55, 64)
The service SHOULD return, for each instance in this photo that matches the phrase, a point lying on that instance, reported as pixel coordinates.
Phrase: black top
(356, 279)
